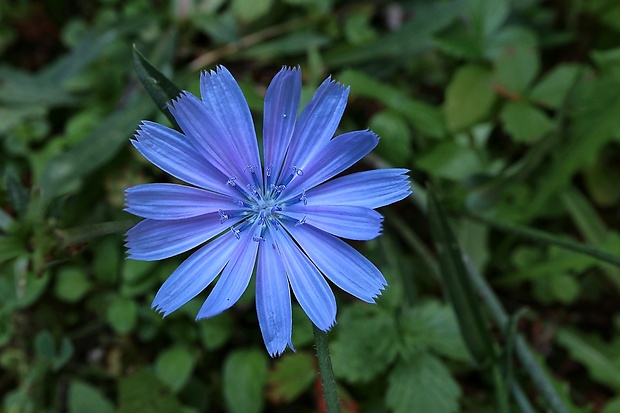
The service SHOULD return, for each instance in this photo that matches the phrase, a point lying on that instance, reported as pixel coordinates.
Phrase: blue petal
(209, 136)
(227, 105)
(281, 107)
(309, 286)
(273, 300)
(340, 262)
(152, 240)
(171, 201)
(339, 154)
(234, 279)
(352, 222)
(172, 153)
(370, 189)
(317, 123)
(194, 274)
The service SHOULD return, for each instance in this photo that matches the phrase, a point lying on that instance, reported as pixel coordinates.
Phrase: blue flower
(280, 217)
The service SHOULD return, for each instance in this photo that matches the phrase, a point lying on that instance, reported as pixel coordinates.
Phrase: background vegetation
(509, 110)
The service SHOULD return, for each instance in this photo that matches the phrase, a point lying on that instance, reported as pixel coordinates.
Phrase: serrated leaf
(365, 345)
(524, 122)
(554, 87)
(245, 375)
(469, 97)
(161, 89)
(122, 315)
(422, 384)
(292, 375)
(86, 398)
(432, 326)
(174, 366)
(516, 67)
(142, 392)
(421, 115)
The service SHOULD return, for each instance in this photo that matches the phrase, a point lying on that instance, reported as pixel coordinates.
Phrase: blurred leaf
(613, 406)
(423, 382)
(159, 87)
(451, 161)
(365, 345)
(432, 326)
(357, 26)
(469, 97)
(174, 367)
(142, 392)
(487, 16)
(599, 366)
(215, 331)
(421, 115)
(458, 285)
(10, 248)
(244, 376)
(410, 39)
(395, 143)
(564, 288)
(524, 122)
(251, 10)
(27, 285)
(552, 90)
(86, 398)
(286, 45)
(44, 345)
(17, 193)
(71, 284)
(65, 172)
(22, 88)
(516, 68)
(291, 376)
(602, 180)
(122, 315)
(107, 260)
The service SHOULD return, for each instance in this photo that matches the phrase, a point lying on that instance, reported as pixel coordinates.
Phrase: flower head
(279, 217)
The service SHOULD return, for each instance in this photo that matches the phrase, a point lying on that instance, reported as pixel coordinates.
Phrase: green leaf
(16, 191)
(458, 285)
(122, 315)
(552, 90)
(600, 367)
(71, 284)
(365, 345)
(421, 115)
(174, 367)
(244, 376)
(395, 143)
(106, 263)
(469, 97)
(451, 161)
(86, 398)
(142, 392)
(10, 248)
(613, 406)
(215, 331)
(524, 122)
(159, 87)
(432, 326)
(64, 173)
(516, 67)
(291, 376)
(487, 16)
(251, 10)
(422, 383)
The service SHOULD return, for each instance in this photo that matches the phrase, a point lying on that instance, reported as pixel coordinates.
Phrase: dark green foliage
(503, 293)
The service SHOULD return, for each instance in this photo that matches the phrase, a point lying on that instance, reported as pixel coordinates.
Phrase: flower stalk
(330, 394)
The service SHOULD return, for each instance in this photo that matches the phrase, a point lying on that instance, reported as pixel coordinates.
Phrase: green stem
(546, 238)
(503, 404)
(330, 394)
(74, 236)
